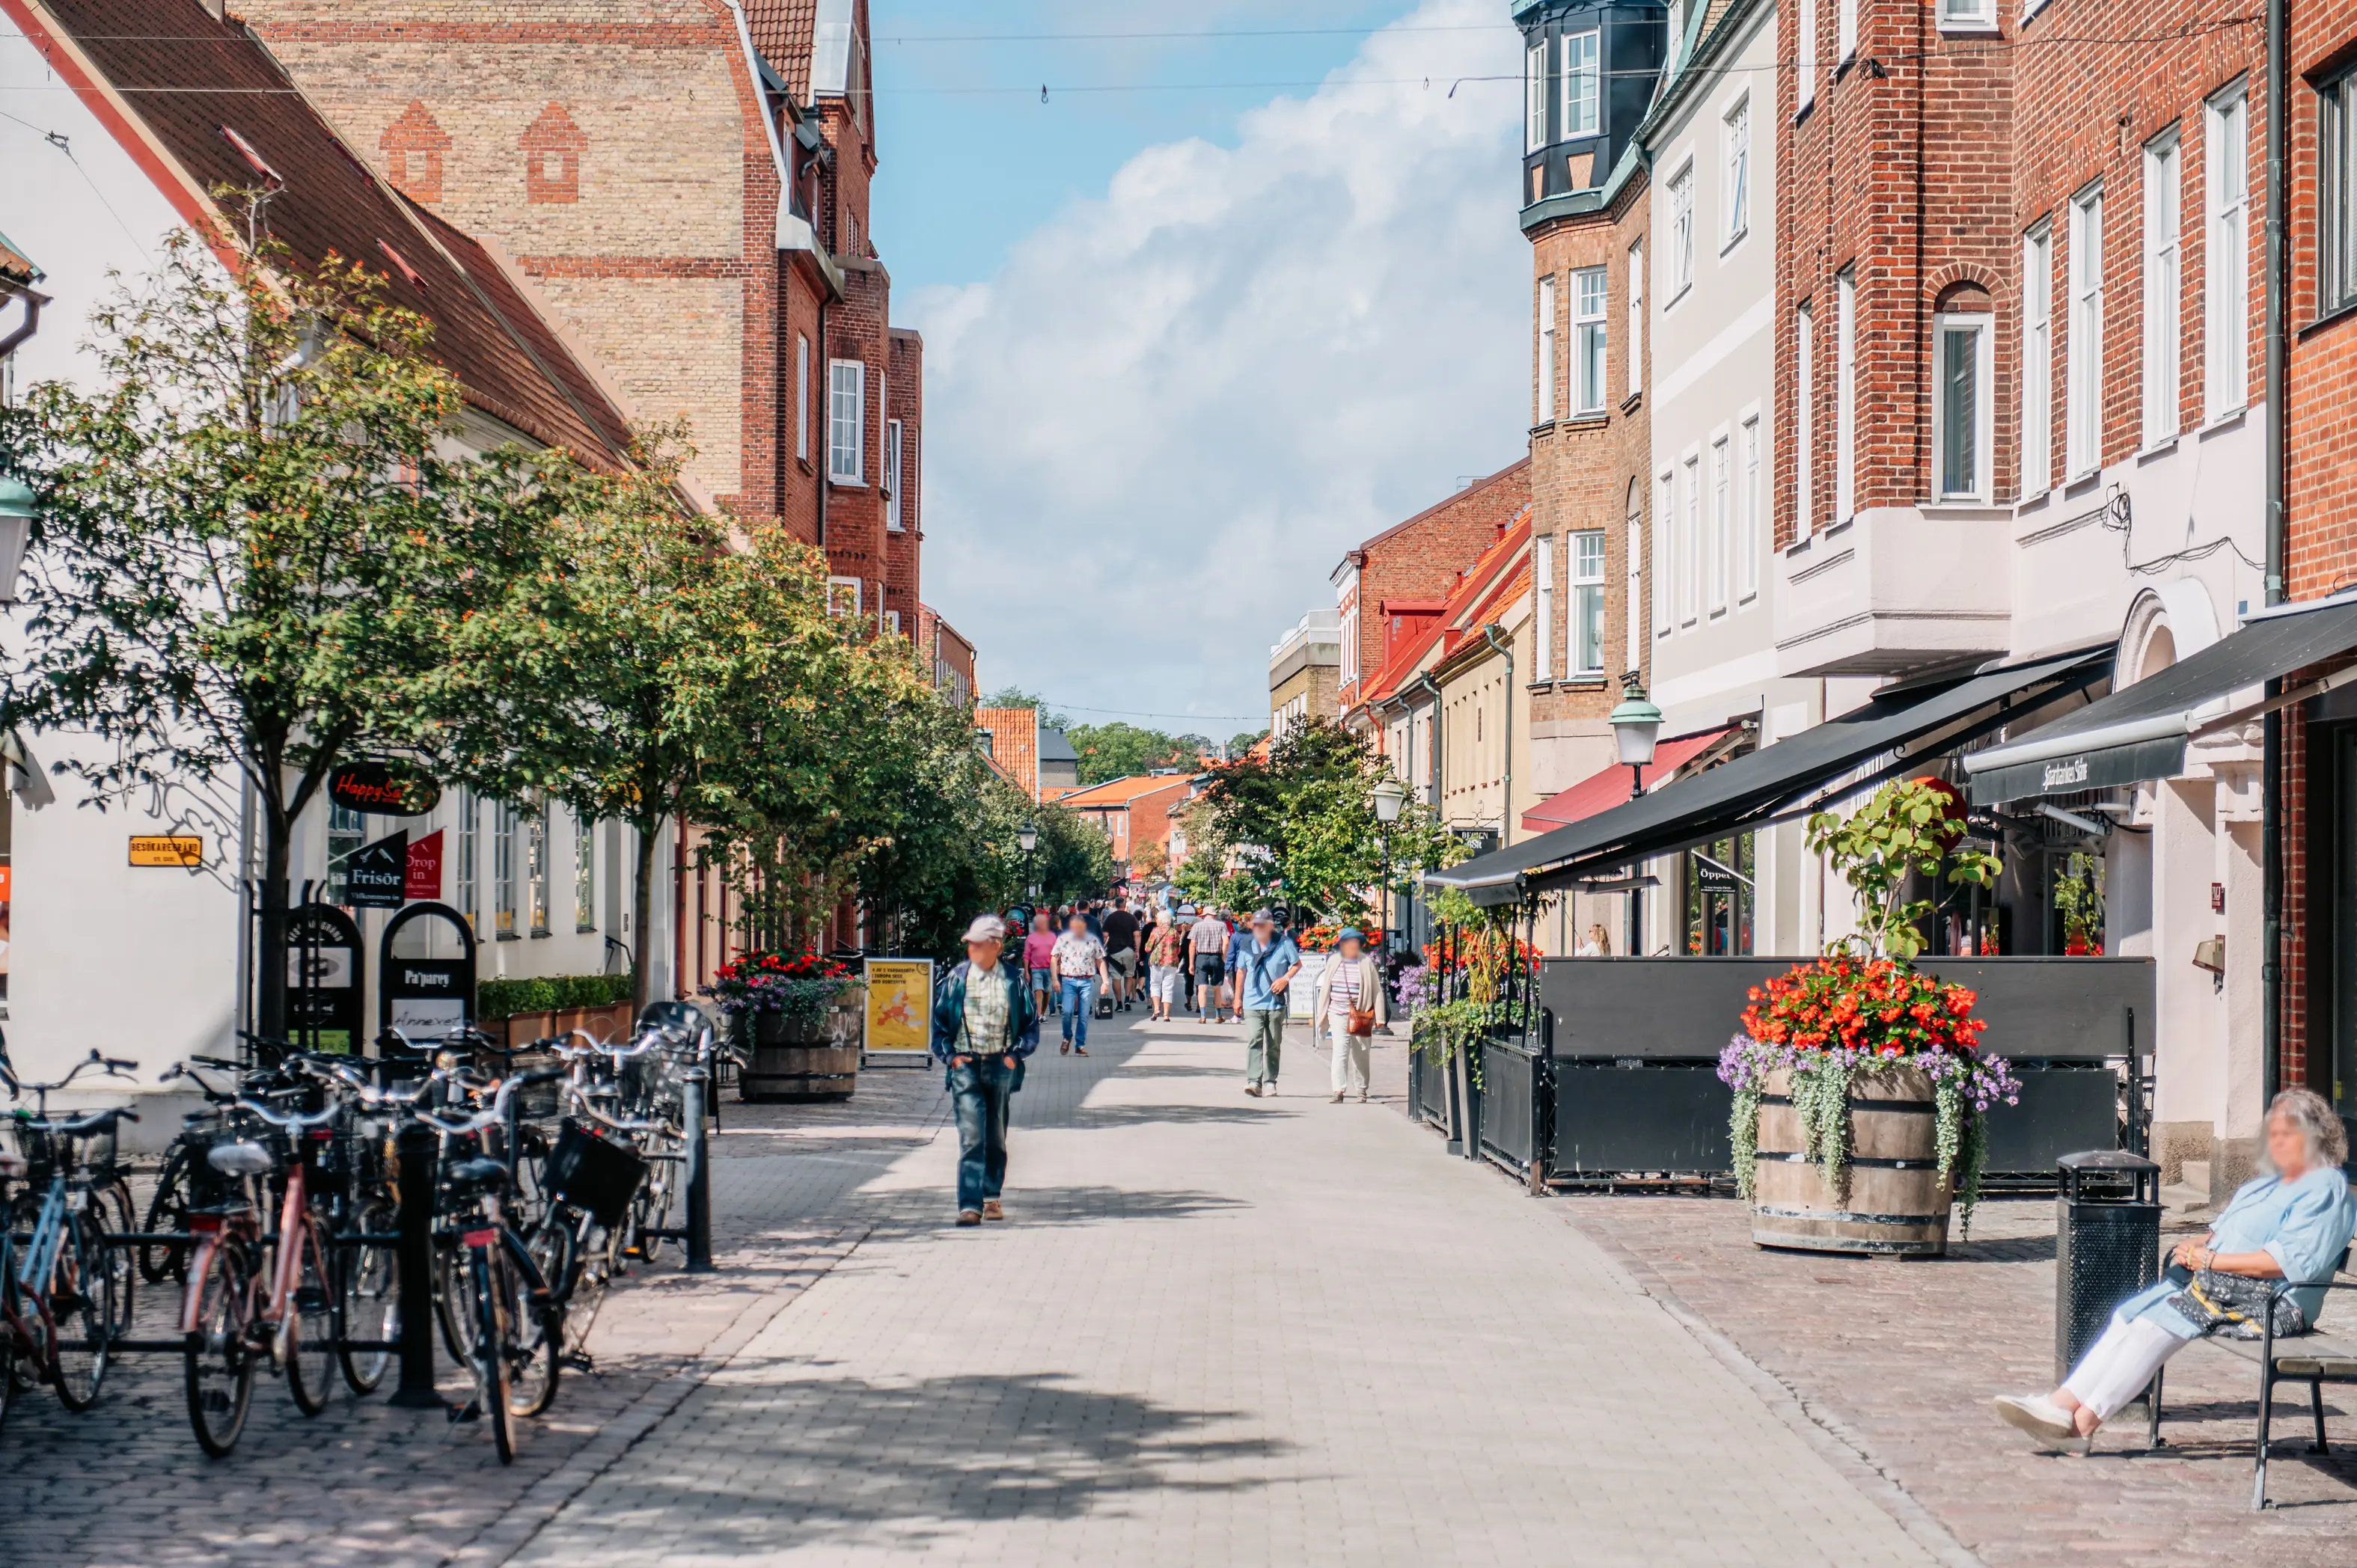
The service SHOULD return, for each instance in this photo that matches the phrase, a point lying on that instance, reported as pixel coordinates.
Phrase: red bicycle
(254, 1296)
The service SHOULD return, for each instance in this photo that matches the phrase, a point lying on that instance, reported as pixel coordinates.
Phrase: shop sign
(900, 1008)
(323, 978)
(424, 877)
(383, 788)
(425, 997)
(376, 875)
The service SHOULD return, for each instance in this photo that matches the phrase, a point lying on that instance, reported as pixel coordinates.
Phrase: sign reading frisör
(383, 788)
(181, 852)
(900, 1008)
(376, 875)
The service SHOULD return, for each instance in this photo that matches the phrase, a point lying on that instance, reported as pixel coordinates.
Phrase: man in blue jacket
(984, 1024)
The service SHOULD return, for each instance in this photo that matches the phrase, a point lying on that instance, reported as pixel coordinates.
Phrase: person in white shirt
(1350, 990)
(1078, 960)
(1209, 939)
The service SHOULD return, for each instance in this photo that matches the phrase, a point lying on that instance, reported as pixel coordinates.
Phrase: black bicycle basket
(597, 1178)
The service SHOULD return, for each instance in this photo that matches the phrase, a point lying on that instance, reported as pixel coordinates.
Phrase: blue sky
(1187, 346)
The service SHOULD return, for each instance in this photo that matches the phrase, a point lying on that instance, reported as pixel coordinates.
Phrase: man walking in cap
(1266, 967)
(984, 1026)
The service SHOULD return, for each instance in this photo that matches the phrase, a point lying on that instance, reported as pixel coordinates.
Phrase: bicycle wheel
(368, 1280)
(82, 1297)
(535, 1321)
(219, 1361)
(31, 1365)
(117, 1210)
(7, 1334)
(596, 1260)
(454, 1301)
(312, 1355)
(167, 1210)
(651, 1212)
(485, 1268)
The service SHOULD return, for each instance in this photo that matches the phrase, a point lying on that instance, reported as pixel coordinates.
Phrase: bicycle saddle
(480, 1176)
(239, 1159)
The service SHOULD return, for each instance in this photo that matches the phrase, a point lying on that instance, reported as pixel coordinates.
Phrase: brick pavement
(1235, 1331)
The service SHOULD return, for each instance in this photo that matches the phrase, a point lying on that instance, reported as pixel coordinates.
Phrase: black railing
(1515, 1111)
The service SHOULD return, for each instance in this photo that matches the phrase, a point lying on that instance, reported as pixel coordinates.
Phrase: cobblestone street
(1215, 1329)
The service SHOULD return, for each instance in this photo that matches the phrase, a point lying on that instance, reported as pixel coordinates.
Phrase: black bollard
(416, 1150)
(699, 1170)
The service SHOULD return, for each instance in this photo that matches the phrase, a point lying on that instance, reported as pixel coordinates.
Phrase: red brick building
(689, 183)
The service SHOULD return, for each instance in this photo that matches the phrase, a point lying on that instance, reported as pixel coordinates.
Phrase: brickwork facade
(1420, 560)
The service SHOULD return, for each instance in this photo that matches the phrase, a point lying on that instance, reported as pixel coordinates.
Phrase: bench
(2325, 1355)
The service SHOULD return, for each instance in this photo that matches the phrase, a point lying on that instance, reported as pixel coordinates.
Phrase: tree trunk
(643, 908)
(270, 1011)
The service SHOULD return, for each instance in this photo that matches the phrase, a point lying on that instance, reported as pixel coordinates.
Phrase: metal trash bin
(2106, 1244)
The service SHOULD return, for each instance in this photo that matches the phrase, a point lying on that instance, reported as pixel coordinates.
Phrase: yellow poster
(900, 1006)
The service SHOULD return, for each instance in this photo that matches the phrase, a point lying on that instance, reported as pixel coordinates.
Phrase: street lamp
(1388, 799)
(1027, 835)
(15, 527)
(1636, 725)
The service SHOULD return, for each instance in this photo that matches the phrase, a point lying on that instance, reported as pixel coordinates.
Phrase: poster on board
(899, 1021)
(1301, 995)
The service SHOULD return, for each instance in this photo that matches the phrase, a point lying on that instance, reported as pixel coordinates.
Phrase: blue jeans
(979, 1092)
(1079, 1001)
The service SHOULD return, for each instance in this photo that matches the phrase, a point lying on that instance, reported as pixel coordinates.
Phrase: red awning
(1603, 790)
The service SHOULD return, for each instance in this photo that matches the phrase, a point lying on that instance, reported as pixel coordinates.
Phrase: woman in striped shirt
(1353, 981)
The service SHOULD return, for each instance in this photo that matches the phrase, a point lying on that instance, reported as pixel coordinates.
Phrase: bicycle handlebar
(491, 1117)
(291, 1121)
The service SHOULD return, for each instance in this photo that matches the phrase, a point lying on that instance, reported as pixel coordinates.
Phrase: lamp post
(17, 516)
(1027, 835)
(1388, 798)
(1636, 726)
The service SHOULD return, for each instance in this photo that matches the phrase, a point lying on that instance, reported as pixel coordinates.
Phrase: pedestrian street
(1213, 1330)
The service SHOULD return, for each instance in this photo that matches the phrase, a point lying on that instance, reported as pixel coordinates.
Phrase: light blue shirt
(1259, 967)
(2303, 1225)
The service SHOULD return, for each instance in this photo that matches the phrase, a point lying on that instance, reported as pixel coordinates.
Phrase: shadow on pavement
(838, 1457)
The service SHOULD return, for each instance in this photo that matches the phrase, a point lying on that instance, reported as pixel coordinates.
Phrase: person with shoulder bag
(1350, 1006)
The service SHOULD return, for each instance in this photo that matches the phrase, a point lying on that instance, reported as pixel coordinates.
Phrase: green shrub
(544, 993)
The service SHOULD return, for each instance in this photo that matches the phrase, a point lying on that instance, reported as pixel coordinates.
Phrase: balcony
(1895, 591)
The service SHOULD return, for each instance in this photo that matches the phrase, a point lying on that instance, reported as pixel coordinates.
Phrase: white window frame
(842, 595)
(1805, 82)
(1968, 15)
(1666, 551)
(1748, 523)
(1535, 96)
(1636, 350)
(584, 875)
(1845, 395)
(1721, 553)
(1981, 327)
(1543, 577)
(1805, 422)
(2082, 347)
(1583, 84)
(2226, 310)
(1845, 32)
(1633, 586)
(1585, 565)
(802, 398)
(2036, 452)
(1734, 198)
(1546, 349)
(1690, 538)
(2336, 193)
(1591, 298)
(892, 476)
(846, 421)
(2164, 287)
(1682, 232)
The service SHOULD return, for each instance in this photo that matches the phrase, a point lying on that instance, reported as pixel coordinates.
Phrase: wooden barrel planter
(802, 1059)
(1897, 1203)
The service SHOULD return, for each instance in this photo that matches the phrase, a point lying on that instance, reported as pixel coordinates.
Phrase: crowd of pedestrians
(1095, 958)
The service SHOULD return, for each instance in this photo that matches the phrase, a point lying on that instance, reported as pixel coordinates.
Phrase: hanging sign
(900, 1008)
(182, 852)
(376, 875)
(383, 788)
(323, 978)
(425, 983)
(423, 878)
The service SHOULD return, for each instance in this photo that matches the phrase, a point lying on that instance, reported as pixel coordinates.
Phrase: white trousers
(2121, 1365)
(1166, 984)
(1349, 1056)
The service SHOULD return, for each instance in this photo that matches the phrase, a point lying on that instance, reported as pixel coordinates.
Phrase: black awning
(1888, 735)
(2140, 732)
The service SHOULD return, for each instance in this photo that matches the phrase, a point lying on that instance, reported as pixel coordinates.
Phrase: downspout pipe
(2278, 347)
(1506, 650)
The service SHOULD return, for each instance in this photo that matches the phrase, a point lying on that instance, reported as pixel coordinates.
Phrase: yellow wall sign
(183, 851)
(900, 1004)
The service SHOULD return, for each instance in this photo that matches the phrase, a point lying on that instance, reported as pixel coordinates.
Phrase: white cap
(986, 928)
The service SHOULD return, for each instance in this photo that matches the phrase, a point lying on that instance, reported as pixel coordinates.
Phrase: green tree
(257, 550)
(1016, 697)
(1121, 750)
(1910, 826)
(1243, 741)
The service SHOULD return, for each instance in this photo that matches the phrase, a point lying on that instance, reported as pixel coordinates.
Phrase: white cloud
(1156, 430)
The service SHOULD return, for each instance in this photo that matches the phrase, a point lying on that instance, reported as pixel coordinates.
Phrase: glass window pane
(1959, 411)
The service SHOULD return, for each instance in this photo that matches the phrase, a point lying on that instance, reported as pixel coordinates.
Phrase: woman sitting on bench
(2292, 1225)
